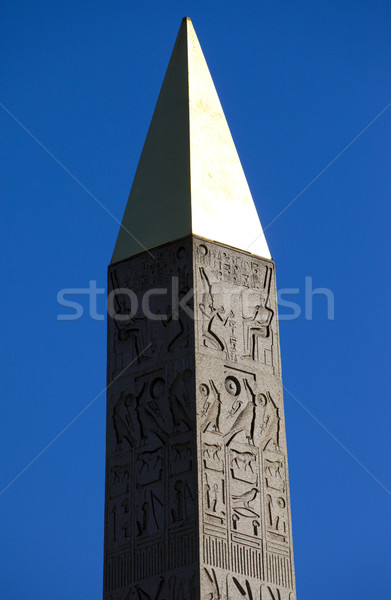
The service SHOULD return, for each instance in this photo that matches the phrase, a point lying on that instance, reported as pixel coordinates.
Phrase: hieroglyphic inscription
(247, 545)
(218, 586)
(150, 529)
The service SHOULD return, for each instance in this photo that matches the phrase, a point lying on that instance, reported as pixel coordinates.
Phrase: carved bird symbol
(244, 422)
(178, 413)
(122, 428)
(148, 422)
(177, 408)
(246, 498)
(213, 415)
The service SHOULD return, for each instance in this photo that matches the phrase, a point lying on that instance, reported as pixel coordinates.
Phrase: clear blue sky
(298, 82)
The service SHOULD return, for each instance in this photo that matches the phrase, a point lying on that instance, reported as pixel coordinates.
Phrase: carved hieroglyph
(197, 496)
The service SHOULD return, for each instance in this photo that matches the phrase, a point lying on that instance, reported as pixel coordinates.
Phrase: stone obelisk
(197, 496)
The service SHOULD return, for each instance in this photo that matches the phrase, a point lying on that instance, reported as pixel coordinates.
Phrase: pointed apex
(222, 205)
(189, 178)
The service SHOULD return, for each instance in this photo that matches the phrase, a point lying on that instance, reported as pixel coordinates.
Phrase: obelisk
(197, 496)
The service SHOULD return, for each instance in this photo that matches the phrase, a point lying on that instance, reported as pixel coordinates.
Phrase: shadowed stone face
(151, 529)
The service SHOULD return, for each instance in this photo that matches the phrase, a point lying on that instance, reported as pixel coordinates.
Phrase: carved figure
(149, 459)
(208, 492)
(256, 526)
(212, 315)
(245, 498)
(149, 416)
(124, 420)
(214, 590)
(212, 451)
(179, 400)
(143, 523)
(257, 326)
(148, 521)
(245, 421)
(213, 504)
(181, 450)
(213, 415)
(272, 468)
(270, 428)
(120, 473)
(176, 329)
(125, 505)
(126, 529)
(183, 497)
(246, 591)
(215, 498)
(236, 406)
(128, 327)
(243, 459)
(271, 594)
(204, 391)
(276, 513)
(259, 417)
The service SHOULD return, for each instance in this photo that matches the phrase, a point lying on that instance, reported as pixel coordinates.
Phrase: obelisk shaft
(197, 498)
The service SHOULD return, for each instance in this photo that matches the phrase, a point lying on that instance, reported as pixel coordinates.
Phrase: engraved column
(244, 512)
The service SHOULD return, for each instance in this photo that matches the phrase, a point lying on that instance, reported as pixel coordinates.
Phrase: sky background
(298, 81)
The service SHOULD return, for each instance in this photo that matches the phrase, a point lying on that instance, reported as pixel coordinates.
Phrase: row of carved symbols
(237, 322)
(231, 267)
(143, 273)
(238, 411)
(216, 586)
